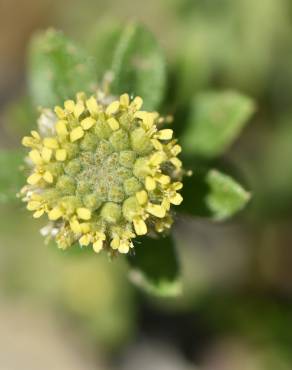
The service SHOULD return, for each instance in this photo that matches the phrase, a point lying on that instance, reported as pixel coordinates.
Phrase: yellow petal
(78, 109)
(176, 162)
(35, 156)
(34, 178)
(156, 210)
(100, 235)
(61, 128)
(33, 205)
(87, 123)
(75, 226)
(140, 226)
(124, 100)
(51, 143)
(38, 213)
(85, 227)
(35, 135)
(142, 197)
(92, 106)
(176, 150)
(60, 112)
(124, 247)
(69, 105)
(97, 246)
(113, 123)
(76, 134)
(37, 197)
(115, 243)
(176, 199)
(166, 204)
(137, 103)
(55, 214)
(146, 117)
(165, 134)
(84, 213)
(157, 158)
(48, 177)
(113, 108)
(61, 155)
(27, 141)
(150, 183)
(162, 179)
(85, 239)
(157, 144)
(47, 154)
(177, 185)
(141, 114)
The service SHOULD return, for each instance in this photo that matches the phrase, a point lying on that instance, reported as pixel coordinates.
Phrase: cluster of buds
(103, 173)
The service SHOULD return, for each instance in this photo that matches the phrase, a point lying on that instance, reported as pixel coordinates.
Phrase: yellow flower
(103, 174)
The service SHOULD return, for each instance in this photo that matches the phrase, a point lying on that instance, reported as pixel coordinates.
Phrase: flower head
(103, 173)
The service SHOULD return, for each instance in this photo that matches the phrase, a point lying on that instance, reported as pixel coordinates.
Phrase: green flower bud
(132, 186)
(66, 184)
(127, 158)
(140, 142)
(111, 212)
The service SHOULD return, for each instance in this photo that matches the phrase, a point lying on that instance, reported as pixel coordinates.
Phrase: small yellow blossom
(105, 174)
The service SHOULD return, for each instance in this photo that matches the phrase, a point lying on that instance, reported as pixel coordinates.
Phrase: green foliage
(226, 196)
(102, 46)
(58, 69)
(138, 66)
(134, 57)
(215, 121)
(20, 117)
(130, 60)
(155, 266)
(11, 178)
(210, 193)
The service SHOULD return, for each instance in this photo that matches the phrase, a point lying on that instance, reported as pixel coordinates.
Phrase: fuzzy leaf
(138, 66)
(11, 177)
(102, 45)
(58, 69)
(215, 121)
(213, 194)
(226, 196)
(154, 266)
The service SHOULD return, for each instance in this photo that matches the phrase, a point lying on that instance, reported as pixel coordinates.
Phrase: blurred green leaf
(155, 267)
(216, 120)
(226, 196)
(20, 117)
(138, 66)
(210, 193)
(102, 45)
(58, 69)
(11, 178)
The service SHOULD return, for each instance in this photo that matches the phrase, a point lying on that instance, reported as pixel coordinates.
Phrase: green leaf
(216, 120)
(11, 177)
(102, 45)
(58, 69)
(226, 197)
(138, 66)
(210, 193)
(154, 266)
(20, 117)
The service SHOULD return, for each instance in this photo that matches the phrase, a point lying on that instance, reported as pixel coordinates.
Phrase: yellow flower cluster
(103, 173)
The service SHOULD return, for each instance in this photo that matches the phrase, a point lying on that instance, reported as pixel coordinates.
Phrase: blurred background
(77, 312)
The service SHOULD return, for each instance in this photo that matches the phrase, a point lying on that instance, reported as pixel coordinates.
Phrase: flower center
(102, 174)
